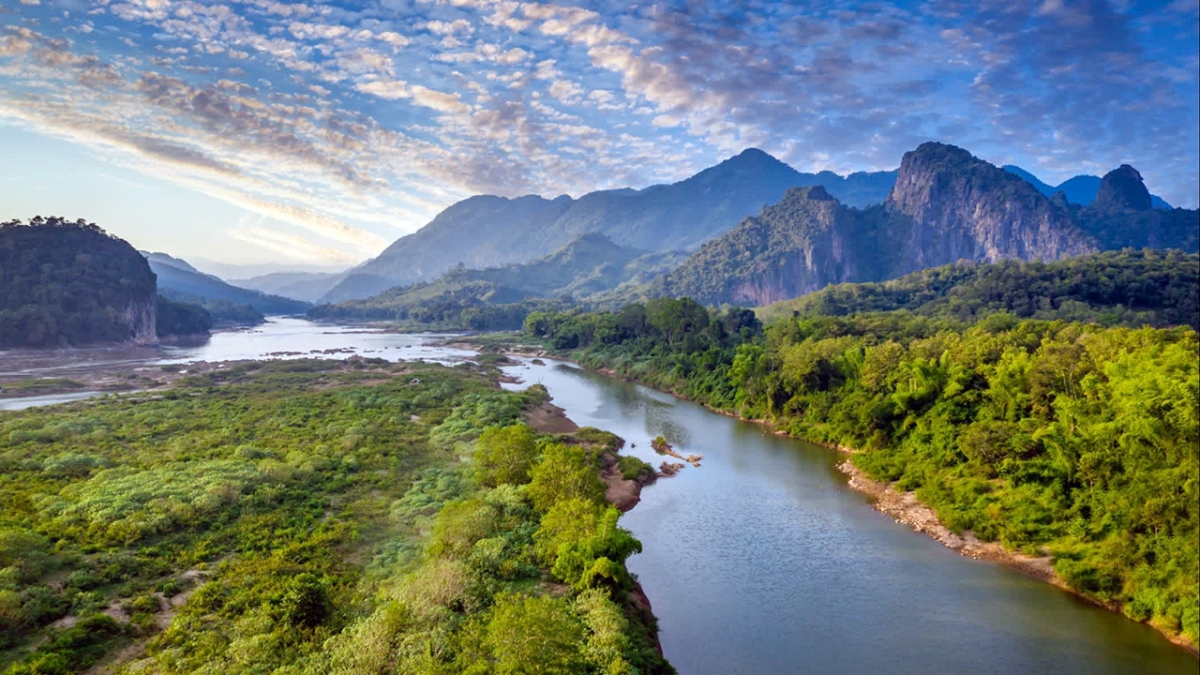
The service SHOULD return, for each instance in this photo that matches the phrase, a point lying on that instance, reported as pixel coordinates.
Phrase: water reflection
(764, 561)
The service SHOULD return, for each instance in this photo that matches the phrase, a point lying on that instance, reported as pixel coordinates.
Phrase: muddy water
(763, 561)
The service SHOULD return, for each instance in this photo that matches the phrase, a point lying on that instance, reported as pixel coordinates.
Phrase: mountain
(1080, 190)
(488, 231)
(305, 286)
(1131, 288)
(589, 264)
(177, 280)
(945, 206)
(64, 283)
(1123, 216)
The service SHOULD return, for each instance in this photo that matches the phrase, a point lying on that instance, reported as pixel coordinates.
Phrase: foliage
(64, 283)
(180, 318)
(1158, 288)
(303, 517)
(1077, 440)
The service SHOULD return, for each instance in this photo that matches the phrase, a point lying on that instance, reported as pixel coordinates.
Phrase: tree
(534, 636)
(504, 455)
(564, 473)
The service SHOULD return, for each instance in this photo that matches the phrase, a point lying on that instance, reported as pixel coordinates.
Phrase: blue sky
(262, 131)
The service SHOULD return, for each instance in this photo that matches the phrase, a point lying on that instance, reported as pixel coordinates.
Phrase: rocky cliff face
(1123, 216)
(142, 320)
(805, 242)
(945, 206)
(962, 208)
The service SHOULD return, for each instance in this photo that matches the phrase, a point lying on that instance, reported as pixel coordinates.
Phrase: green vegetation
(1130, 288)
(42, 384)
(499, 298)
(220, 311)
(1076, 440)
(181, 318)
(64, 283)
(312, 517)
(179, 281)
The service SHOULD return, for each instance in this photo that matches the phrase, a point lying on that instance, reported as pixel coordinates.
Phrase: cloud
(353, 123)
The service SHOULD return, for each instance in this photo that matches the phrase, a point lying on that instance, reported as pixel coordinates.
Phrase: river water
(762, 560)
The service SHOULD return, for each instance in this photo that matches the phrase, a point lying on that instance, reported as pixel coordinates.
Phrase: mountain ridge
(489, 231)
(946, 205)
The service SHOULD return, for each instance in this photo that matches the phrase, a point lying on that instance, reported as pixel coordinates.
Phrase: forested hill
(179, 281)
(70, 283)
(498, 298)
(488, 231)
(946, 206)
(1132, 287)
(1055, 438)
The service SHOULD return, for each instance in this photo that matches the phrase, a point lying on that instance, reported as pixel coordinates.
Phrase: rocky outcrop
(140, 315)
(962, 208)
(1123, 216)
(1123, 189)
(71, 283)
(945, 206)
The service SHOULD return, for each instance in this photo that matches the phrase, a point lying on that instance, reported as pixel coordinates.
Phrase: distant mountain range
(178, 280)
(946, 205)
(487, 231)
(1079, 190)
(306, 286)
(584, 267)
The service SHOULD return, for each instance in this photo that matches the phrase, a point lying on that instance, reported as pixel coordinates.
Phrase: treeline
(441, 305)
(221, 310)
(1076, 440)
(180, 318)
(313, 517)
(1131, 288)
(68, 283)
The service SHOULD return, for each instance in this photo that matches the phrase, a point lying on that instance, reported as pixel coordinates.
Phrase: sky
(313, 134)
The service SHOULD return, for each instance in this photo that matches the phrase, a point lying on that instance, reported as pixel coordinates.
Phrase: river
(762, 560)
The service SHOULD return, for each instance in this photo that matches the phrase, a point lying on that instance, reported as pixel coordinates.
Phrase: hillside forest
(1020, 402)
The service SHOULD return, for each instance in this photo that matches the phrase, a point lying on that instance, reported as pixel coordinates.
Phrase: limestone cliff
(962, 208)
(141, 316)
(946, 206)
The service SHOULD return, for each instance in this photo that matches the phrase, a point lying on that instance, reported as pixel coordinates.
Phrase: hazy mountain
(177, 280)
(306, 286)
(487, 231)
(1079, 190)
(65, 283)
(589, 264)
(945, 206)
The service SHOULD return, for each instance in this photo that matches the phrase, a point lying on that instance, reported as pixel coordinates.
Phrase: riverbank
(903, 507)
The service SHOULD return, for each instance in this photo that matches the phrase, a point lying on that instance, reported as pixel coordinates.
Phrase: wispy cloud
(354, 123)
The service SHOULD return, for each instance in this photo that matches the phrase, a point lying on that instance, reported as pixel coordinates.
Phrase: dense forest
(1131, 288)
(181, 318)
(1075, 440)
(313, 517)
(70, 283)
